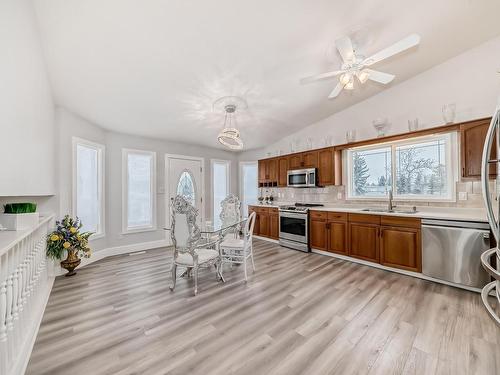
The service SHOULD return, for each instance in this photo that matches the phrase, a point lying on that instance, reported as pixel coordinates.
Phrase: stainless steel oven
(302, 178)
(293, 227)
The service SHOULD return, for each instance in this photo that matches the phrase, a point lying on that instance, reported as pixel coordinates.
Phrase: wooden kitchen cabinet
(295, 161)
(257, 219)
(364, 241)
(337, 237)
(328, 231)
(363, 237)
(326, 175)
(310, 159)
(401, 248)
(318, 230)
(274, 223)
(283, 172)
(268, 172)
(472, 138)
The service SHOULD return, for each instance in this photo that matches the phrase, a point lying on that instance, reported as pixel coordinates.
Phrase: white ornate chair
(238, 250)
(189, 251)
(230, 213)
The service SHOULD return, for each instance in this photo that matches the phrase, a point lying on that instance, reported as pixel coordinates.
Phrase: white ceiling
(154, 67)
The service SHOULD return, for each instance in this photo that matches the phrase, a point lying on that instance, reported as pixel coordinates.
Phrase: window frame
(101, 149)
(451, 164)
(241, 182)
(227, 163)
(143, 228)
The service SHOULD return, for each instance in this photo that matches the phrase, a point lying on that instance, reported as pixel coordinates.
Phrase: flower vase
(71, 262)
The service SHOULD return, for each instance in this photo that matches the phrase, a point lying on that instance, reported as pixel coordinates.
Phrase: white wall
(71, 125)
(27, 132)
(471, 80)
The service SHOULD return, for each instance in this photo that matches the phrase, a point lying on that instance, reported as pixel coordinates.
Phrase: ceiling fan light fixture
(363, 76)
(349, 85)
(345, 78)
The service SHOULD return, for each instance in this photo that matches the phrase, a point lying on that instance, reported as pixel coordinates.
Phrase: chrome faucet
(390, 205)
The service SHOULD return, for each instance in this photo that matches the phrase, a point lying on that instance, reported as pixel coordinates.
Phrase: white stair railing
(24, 288)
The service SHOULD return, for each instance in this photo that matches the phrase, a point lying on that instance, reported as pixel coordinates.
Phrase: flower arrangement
(67, 236)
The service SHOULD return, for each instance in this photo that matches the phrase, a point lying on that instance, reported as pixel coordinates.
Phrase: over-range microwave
(302, 178)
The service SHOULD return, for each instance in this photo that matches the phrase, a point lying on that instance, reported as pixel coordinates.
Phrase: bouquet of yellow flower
(67, 236)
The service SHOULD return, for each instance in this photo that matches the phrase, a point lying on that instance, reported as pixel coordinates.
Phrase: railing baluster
(24, 284)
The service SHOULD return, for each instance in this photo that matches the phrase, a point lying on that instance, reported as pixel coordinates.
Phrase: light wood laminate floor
(299, 314)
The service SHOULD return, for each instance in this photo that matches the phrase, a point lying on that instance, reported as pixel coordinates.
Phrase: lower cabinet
(274, 223)
(363, 241)
(318, 232)
(337, 237)
(388, 240)
(401, 248)
(266, 221)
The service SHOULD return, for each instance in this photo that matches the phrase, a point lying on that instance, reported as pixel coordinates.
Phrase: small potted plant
(68, 239)
(19, 216)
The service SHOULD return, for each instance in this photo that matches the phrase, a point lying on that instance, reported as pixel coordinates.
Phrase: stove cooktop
(301, 207)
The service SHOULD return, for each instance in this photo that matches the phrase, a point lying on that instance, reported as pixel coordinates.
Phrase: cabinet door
(325, 167)
(264, 225)
(337, 237)
(262, 165)
(472, 141)
(295, 161)
(282, 171)
(318, 232)
(401, 248)
(310, 159)
(274, 225)
(272, 167)
(257, 220)
(364, 241)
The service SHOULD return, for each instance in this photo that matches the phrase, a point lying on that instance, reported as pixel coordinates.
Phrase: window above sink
(422, 168)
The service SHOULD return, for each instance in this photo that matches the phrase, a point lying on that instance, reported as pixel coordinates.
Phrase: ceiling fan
(356, 65)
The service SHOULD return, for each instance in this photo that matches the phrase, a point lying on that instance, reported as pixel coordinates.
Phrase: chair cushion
(204, 255)
(232, 242)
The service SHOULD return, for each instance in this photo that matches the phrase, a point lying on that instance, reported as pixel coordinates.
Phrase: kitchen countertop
(423, 212)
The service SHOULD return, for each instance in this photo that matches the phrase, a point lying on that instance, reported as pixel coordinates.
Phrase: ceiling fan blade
(344, 45)
(408, 42)
(380, 77)
(336, 91)
(319, 77)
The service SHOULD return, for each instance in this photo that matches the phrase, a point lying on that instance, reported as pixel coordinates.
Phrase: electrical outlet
(462, 196)
(340, 195)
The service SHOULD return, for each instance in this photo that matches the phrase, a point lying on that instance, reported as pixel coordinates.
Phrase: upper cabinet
(472, 138)
(273, 171)
(268, 172)
(326, 175)
(282, 171)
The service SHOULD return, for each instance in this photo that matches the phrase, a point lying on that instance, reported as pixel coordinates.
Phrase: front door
(185, 177)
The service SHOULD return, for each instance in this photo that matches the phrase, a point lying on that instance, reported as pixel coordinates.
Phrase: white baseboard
(20, 366)
(403, 272)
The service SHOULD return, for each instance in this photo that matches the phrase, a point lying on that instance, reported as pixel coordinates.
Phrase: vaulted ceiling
(154, 67)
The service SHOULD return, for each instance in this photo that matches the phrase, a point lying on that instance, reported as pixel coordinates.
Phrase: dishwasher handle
(456, 224)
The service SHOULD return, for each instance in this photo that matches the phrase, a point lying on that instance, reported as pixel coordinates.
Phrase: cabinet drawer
(409, 222)
(364, 218)
(337, 216)
(273, 211)
(318, 214)
(262, 210)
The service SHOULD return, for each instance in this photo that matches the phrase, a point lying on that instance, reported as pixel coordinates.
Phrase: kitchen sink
(395, 211)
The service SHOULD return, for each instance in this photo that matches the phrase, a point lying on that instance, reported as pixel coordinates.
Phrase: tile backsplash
(336, 194)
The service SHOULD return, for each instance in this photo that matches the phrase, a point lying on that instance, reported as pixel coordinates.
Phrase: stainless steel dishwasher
(451, 251)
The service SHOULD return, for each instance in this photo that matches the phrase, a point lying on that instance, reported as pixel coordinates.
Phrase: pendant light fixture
(230, 135)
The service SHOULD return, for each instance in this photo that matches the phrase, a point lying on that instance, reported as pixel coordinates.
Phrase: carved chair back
(184, 233)
(230, 211)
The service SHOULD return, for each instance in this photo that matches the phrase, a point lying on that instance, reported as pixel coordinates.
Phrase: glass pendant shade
(230, 136)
